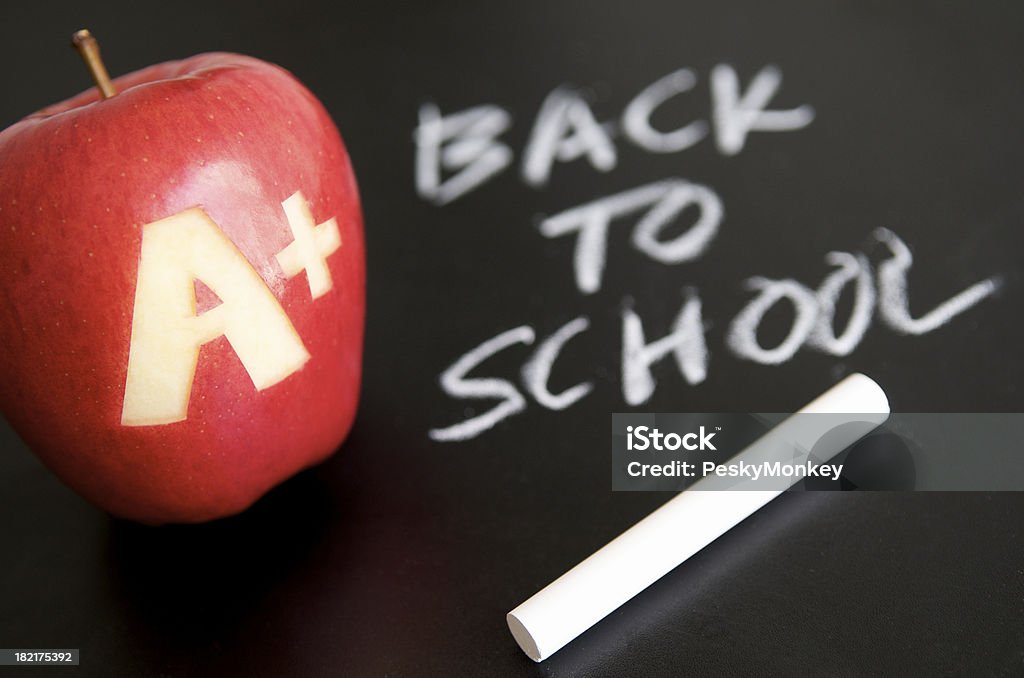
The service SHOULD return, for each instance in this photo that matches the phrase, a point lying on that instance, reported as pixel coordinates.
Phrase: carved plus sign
(312, 245)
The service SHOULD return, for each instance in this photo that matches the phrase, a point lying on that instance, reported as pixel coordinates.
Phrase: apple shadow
(193, 585)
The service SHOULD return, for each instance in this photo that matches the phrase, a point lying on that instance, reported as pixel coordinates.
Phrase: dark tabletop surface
(401, 555)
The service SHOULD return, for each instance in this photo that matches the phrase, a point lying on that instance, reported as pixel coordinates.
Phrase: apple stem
(90, 50)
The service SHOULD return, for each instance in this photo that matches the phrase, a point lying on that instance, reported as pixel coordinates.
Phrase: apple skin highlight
(232, 135)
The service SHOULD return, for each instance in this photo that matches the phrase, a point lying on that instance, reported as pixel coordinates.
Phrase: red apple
(182, 268)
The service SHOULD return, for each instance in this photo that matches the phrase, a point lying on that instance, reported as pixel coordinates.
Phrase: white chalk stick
(686, 524)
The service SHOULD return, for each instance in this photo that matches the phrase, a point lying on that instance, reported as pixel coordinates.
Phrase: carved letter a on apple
(166, 331)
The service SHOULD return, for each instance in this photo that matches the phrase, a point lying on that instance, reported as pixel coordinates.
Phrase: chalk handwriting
(895, 308)
(663, 201)
(455, 384)
(811, 328)
(537, 370)
(459, 152)
(742, 338)
(686, 343)
(565, 130)
(466, 143)
(737, 115)
(636, 119)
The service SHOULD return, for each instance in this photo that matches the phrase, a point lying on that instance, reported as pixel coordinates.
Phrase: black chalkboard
(401, 554)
